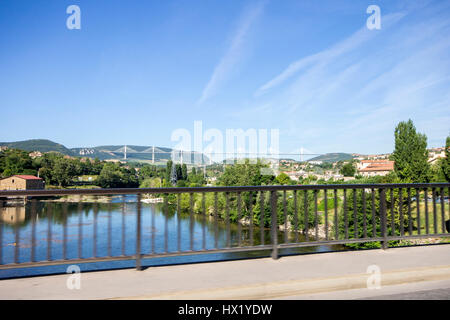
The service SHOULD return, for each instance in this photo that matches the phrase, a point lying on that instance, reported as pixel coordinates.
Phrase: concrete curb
(300, 287)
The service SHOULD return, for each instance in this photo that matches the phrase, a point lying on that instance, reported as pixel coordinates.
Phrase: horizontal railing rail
(120, 191)
(51, 229)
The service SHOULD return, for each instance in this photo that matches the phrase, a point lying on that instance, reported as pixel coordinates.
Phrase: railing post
(273, 200)
(383, 218)
(138, 234)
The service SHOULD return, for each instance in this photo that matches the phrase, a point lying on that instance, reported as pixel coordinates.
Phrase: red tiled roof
(26, 177)
(376, 161)
(379, 167)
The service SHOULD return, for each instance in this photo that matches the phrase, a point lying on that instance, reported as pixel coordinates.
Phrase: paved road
(289, 277)
(424, 290)
(437, 294)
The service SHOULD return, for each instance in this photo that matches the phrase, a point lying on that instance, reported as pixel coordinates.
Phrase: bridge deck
(258, 278)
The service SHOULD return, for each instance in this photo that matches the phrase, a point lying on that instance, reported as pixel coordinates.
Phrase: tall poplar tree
(410, 153)
(184, 173)
(168, 173)
(445, 163)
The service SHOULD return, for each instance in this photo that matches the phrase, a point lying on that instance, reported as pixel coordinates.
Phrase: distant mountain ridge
(42, 145)
(333, 157)
(108, 152)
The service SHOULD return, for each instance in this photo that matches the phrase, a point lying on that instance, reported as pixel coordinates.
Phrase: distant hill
(112, 152)
(333, 157)
(41, 145)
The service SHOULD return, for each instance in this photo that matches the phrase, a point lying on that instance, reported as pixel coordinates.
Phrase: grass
(433, 219)
(83, 187)
(50, 187)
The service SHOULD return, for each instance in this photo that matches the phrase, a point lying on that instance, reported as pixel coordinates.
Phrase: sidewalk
(245, 279)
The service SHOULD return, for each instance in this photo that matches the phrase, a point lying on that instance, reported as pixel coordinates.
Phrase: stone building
(21, 182)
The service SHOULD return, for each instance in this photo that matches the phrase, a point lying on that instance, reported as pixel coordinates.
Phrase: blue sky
(138, 70)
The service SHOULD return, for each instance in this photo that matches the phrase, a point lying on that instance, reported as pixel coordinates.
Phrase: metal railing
(250, 218)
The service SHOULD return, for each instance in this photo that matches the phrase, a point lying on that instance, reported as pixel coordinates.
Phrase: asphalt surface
(338, 275)
(437, 294)
(425, 290)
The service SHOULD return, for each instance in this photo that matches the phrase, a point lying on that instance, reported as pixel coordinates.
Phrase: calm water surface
(90, 222)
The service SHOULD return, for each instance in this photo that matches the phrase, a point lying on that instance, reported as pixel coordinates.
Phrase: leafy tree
(305, 213)
(146, 172)
(437, 171)
(326, 165)
(97, 166)
(196, 178)
(410, 153)
(348, 170)
(150, 171)
(179, 172)
(63, 172)
(110, 176)
(184, 172)
(14, 161)
(283, 179)
(370, 219)
(245, 174)
(114, 176)
(168, 174)
(150, 183)
(330, 203)
(293, 206)
(181, 183)
(445, 163)
(87, 167)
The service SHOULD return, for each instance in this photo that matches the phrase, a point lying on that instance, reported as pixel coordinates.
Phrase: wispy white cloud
(414, 88)
(234, 52)
(324, 57)
(350, 96)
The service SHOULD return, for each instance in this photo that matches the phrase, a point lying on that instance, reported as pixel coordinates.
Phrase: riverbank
(80, 198)
(95, 199)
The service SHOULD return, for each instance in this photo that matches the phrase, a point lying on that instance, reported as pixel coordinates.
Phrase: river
(92, 220)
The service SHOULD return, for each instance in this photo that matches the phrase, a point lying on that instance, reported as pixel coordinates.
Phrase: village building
(434, 154)
(370, 168)
(315, 162)
(377, 156)
(294, 175)
(21, 182)
(35, 154)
